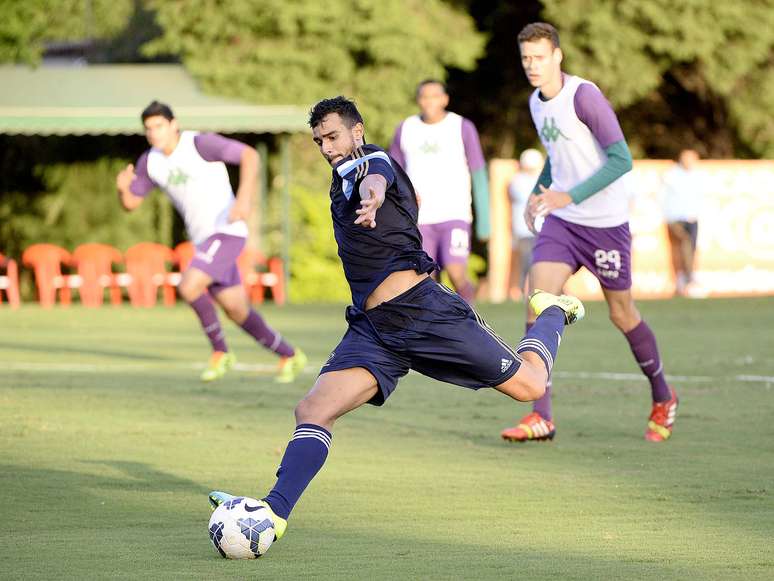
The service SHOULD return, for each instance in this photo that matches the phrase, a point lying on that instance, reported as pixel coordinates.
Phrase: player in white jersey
(441, 153)
(684, 186)
(190, 168)
(585, 204)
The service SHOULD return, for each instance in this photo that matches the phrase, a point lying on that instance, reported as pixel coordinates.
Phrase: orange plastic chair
(146, 264)
(95, 267)
(46, 260)
(9, 282)
(257, 281)
(184, 253)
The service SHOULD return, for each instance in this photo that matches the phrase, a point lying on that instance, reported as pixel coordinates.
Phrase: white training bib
(438, 168)
(199, 189)
(575, 156)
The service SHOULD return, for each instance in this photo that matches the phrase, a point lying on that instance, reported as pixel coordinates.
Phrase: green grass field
(109, 445)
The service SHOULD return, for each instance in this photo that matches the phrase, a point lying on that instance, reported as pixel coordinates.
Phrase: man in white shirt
(522, 238)
(585, 207)
(191, 169)
(441, 153)
(684, 185)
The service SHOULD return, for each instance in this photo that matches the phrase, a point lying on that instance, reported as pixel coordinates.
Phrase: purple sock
(205, 310)
(543, 405)
(643, 344)
(256, 327)
(543, 337)
(304, 456)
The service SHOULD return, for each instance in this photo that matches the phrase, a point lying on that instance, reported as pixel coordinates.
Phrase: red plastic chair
(95, 267)
(257, 281)
(9, 282)
(146, 264)
(46, 260)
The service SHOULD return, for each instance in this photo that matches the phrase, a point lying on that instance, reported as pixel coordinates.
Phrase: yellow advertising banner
(735, 249)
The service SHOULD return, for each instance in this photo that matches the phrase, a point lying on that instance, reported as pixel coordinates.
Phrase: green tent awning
(108, 99)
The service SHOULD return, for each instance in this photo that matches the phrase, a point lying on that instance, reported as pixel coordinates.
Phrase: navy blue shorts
(429, 329)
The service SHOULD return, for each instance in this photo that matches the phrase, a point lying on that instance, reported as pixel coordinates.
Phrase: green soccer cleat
(291, 367)
(573, 309)
(220, 362)
(216, 498)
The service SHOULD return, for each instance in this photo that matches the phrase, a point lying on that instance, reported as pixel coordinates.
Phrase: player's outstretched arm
(124, 180)
(372, 191)
(248, 178)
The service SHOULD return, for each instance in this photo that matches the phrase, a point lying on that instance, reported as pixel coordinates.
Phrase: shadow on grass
(57, 348)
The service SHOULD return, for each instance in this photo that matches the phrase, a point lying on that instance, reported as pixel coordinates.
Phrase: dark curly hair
(344, 107)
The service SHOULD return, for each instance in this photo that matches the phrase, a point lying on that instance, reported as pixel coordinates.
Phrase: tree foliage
(268, 51)
(27, 25)
(695, 72)
(716, 56)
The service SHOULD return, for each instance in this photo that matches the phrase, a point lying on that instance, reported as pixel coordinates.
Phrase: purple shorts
(605, 252)
(447, 242)
(217, 257)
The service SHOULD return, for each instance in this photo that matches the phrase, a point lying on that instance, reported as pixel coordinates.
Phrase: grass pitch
(109, 445)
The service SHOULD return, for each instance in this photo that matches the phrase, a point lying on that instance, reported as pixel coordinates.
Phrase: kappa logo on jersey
(428, 147)
(505, 365)
(550, 132)
(177, 177)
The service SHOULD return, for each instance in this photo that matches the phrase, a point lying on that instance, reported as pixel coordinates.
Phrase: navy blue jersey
(369, 255)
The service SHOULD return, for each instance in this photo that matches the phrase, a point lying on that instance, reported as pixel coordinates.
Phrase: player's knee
(189, 291)
(528, 384)
(309, 411)
(624, 319)
(236, 312)
(534, 388)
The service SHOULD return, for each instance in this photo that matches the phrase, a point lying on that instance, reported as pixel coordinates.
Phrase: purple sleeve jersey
(142, 184)
(214, 147)
(472, 146)
(395, 151)
(596, 113)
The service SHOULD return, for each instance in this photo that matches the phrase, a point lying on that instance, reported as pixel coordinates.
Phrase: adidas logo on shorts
(505, 365)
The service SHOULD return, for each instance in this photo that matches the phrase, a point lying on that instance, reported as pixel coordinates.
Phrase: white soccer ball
(241, 528)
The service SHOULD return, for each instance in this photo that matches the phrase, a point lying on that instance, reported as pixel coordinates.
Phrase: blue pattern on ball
(216, 534)
(230, 504)
(252, 529)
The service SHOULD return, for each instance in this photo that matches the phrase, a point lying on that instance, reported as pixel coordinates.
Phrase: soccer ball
(241, 528)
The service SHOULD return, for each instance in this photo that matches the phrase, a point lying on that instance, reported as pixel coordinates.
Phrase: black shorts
(429, 329)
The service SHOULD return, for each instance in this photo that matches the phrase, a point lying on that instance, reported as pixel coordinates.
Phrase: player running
(586, 209)
(441, 153)
(190, 168)
(401, 318)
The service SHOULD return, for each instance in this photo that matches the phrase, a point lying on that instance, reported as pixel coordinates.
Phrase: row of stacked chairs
(143, 270)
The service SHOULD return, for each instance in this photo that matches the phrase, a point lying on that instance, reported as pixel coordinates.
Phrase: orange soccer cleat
(532, 427)
(662, 418)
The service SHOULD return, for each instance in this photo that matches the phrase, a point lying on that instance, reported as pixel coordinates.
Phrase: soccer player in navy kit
(400, 318)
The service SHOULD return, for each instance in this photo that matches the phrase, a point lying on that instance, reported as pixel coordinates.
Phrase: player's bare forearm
(372, 192)
(248, 175)
(374, 182)
(124, 181)
(128, 200)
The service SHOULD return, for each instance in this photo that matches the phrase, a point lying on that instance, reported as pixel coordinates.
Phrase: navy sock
(304, 456)
(544, 336)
